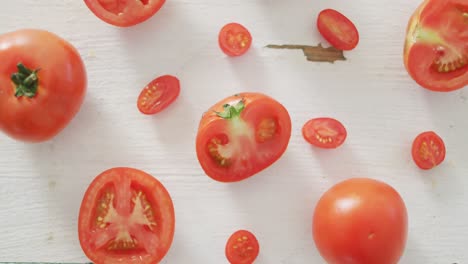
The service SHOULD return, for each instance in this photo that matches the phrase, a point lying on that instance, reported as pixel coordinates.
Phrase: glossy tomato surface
(126, 216)
(124, 13)
(360, 220)
(158, 94)
(324, 132)
(337, 29)
(436, 46)
(242, 135)
(242, 247)
(42, 84)
(428, 150)
(234, 39)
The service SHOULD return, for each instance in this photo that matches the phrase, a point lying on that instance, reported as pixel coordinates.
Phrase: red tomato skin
(231, 254)
(61, 91)
(428, 136)
(236, 27)
(360, 220)
(170, 92)
(329, 21)
(135, 15)
(309, 135)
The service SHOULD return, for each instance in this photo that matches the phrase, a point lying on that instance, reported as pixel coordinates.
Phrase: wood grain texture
(41, 185)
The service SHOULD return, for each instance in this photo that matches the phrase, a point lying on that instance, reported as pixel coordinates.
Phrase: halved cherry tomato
(359, 221)
(43, 83)
(126, 216)
(436, 46)
(158, 94)
(242, 247)
(242, 135)
(324, 132)
(234, 39)
(428, 150)
(337, 29)
(124, 13)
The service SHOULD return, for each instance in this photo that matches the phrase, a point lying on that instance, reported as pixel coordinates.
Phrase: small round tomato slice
(428, 150)
(124, 13)
(337, 29)
(158, 94)
(234, 39)
(126, 216)
(242, 247)
(324, 132)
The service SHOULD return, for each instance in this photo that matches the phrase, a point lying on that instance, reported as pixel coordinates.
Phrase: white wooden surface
(41, 185)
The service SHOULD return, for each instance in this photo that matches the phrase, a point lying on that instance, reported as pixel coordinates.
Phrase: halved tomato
(242, 135)
(234, 39)
(337, 29)
(124, 13)
(436, 46)
(428, 150)
(324, 132)
(242, 247)
(126, 216)
(158, 94)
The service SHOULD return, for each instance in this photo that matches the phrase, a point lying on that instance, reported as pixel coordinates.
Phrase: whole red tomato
(42, 84)
(360, 221)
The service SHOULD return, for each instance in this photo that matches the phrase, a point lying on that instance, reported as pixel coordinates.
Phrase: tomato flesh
(324, 132)
(158, 94)
(428, 150)
(242, 135)
(242, 247)
(360, 220)
(126, 215)
(234, 39)
(124, 13)
(436, 46)
(337, 29)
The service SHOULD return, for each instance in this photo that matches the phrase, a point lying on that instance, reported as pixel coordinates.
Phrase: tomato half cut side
(158, 94)
(324, 132)
(337, 29)
(428, 150)
(234, 39)
(126, 216)
(242, 247)
(124, 13)
(242, 135)
(436, 45)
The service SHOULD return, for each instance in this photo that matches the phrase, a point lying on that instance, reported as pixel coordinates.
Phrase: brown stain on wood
(314, 53)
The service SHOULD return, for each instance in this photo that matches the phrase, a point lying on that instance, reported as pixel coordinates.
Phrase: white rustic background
(41, 185)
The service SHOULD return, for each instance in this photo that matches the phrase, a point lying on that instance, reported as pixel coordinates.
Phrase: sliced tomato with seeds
(126, 216)
(324, 132)
(242, 135)
(158, 94)
(428, 150)
(234, 39)
(436, 46)
(337, 29)
(242, 247)
(124, 13)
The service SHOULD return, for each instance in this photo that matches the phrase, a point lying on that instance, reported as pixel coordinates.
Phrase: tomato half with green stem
(428, 150)
(324, 132)
(126, 216)
(436, 45)
(337, 29)
(242, 135)
(124, 13)
(360, 220)
(242, 247)
(158, 94)
(234, 39)
(42, 84)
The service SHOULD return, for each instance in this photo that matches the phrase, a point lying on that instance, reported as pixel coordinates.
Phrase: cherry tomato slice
(234, 39)
(126, 216)
(428, 150)
(158, 94)
(324, 132)
(124, 13)
(242, 247)
(337, 29)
